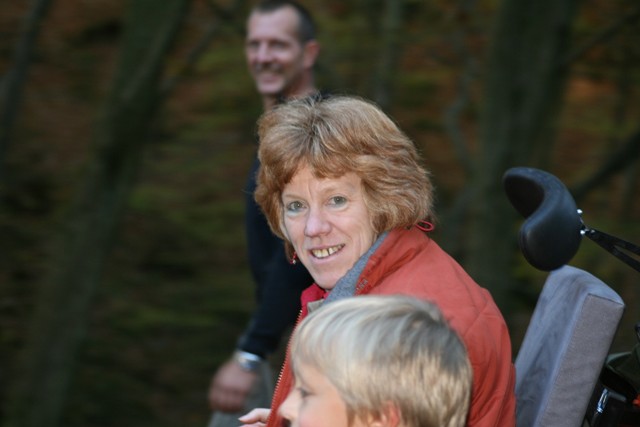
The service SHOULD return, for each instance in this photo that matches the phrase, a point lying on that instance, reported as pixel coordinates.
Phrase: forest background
(127, 130)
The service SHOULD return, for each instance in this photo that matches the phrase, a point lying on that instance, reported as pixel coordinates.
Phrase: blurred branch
(603, 36)
(455, 110)
(224, 16)
(452, 114)
(626, 154)
(229, 15)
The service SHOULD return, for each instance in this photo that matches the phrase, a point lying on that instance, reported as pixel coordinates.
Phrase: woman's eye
(338, 200)
(294, 207)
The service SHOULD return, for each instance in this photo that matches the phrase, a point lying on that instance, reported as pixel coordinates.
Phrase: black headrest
(550, 236)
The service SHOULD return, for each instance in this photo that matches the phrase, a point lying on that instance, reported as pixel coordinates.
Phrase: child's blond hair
(393, 349)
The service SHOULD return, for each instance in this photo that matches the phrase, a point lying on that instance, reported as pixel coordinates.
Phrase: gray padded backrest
(564, 348)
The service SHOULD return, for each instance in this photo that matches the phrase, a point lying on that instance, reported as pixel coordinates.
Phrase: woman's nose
(316, 224)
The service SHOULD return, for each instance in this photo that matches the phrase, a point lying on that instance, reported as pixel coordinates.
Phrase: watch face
(247, 361)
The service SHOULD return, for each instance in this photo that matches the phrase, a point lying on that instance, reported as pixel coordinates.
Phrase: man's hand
(230, 387)
(255, 418)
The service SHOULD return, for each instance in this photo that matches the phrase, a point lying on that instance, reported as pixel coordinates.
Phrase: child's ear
(390, 416)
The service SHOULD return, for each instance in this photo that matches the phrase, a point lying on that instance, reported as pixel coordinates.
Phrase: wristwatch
(248, 361)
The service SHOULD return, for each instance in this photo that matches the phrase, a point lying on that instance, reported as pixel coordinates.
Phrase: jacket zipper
(286, 362)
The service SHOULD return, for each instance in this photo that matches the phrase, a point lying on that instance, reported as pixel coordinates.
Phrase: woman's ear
(390, 416)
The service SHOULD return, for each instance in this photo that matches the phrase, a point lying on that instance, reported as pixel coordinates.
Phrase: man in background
(281, 51)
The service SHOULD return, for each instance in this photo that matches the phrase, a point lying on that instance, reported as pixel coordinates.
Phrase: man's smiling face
(275, 55)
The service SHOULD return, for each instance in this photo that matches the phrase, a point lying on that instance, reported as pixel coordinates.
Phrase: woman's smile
(326, 252)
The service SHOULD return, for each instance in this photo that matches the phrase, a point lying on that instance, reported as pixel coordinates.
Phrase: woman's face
(328, 223)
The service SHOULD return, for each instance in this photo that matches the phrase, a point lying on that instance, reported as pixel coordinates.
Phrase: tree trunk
(13, 84)
(59, 323)
(390, 47)
(524, 86)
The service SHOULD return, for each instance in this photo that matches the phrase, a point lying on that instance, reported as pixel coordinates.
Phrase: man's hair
(381, 349)
(306, 24)
(336, 135)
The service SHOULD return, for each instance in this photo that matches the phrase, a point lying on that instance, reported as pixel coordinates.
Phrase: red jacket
(409, 262)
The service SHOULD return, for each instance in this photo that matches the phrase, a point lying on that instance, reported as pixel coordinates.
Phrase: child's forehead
(298, 366)
(305, 372)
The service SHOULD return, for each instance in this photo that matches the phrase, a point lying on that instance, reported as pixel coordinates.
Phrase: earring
(294, 259)
(425, 226)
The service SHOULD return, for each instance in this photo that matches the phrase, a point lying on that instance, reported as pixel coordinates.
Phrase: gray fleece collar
(346, 286)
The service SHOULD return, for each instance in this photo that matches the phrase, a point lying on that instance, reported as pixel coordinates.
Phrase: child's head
(378, 361)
